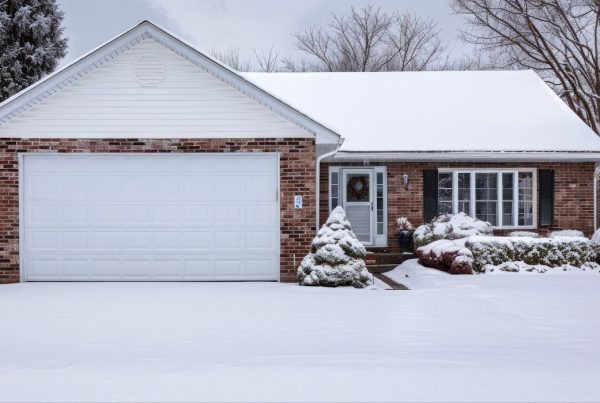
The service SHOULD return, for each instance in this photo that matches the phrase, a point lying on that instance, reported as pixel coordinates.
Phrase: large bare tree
(369, 39)
(559, 39)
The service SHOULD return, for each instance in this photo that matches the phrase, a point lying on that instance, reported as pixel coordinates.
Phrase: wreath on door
(358, 188)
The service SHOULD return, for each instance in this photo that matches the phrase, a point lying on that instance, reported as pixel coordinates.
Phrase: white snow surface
(452, 338)
(435, 111)
(567, 233)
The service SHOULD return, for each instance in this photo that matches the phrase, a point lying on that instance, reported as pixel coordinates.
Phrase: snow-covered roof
(435, 111)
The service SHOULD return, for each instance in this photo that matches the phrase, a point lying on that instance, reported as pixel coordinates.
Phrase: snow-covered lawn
(469, 338)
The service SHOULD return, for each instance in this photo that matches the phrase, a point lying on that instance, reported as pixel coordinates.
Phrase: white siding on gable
(150, 92)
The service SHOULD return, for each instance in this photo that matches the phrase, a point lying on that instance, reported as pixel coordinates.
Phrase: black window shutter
(430, 194)
(546, 194)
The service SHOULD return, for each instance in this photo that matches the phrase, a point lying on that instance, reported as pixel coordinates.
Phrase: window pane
(379, 180)
(334, 190)
(486, 197)
(507, 199)
(525, 198)
(445, 193)
(464, 193)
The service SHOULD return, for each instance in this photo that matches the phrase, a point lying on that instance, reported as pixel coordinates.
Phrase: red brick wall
(573, 187)
(297, 177)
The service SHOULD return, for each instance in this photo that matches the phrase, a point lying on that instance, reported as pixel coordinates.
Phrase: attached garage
(147, 160)
(171, 216)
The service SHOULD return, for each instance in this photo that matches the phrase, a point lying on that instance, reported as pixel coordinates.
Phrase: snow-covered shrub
(550, 252)
(336, 256)
(450, 226)
(402, 224)
(447, 255)
(596, 237)
(567, 233)
(522, 267)
(529, 234)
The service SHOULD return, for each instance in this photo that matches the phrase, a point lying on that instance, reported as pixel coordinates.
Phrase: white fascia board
(105, 52)
(448, 156)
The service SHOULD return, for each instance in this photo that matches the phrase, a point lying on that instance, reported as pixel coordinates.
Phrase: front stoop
(378, 262)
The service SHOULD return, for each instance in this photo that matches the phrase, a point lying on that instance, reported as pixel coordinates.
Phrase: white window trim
(499, 171)
(379, 240)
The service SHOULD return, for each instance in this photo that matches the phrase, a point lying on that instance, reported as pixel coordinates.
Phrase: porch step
(382, 258)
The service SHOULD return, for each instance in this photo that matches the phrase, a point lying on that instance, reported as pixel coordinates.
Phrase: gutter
(472, 156)
(318, 179)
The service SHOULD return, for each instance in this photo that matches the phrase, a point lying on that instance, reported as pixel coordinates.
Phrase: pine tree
(31, 42)
(336, 257)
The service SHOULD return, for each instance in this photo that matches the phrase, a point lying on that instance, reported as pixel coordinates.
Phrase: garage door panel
(150, 217)
(226, 240)
(167, 240)
(72, 214)
(41, 188)
(72, 188)
(198, 188)
(103, 240)
(103, 215)
(135, 188)
(228, 188)
(41, 214)
(43, 240)
(135, 214)
(198, 240)
(73, 240)
(102, 188)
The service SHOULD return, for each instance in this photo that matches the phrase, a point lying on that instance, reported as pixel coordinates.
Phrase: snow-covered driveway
(529, 338)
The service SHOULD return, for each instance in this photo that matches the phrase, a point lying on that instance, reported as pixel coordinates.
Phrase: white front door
(116, 217)
(358, 196)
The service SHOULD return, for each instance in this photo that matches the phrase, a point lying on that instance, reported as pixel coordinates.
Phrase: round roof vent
(149, 71)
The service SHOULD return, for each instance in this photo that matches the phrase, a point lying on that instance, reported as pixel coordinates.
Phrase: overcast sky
(246, 24)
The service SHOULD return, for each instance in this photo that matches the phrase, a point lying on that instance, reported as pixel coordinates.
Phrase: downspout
(318, 187)
(596, 175)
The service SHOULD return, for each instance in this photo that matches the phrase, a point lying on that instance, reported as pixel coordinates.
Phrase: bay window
(503, 197)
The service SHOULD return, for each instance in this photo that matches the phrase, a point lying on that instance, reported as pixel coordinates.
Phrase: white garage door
(150, 217)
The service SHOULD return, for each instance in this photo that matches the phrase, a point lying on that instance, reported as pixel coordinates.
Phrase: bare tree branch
(556, 38)
(369, 39)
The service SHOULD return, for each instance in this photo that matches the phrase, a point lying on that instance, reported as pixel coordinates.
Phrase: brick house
(146, 159)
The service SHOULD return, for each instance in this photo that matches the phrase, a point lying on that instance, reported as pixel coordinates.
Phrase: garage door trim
(21, 156)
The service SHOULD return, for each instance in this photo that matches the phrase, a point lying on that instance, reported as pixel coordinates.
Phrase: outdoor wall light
(405, 181)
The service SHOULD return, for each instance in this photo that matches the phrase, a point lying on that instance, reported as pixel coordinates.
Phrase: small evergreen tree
(336, 256)
(31, 42)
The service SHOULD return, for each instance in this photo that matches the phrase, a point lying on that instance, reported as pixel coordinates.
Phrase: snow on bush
(566, 233)
(447, 255)
(336, 256)
(522, 267)
(450, 226)
(529, 234)
(403, 224)
(552, 252)
(596, 237)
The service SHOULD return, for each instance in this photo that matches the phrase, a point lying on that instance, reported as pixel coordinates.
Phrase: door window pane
(445, 193)
(464, 192)
(507, 198)
(334, 190)
(357, 188)
(486, 197)
(379, 180)
(525, 198)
